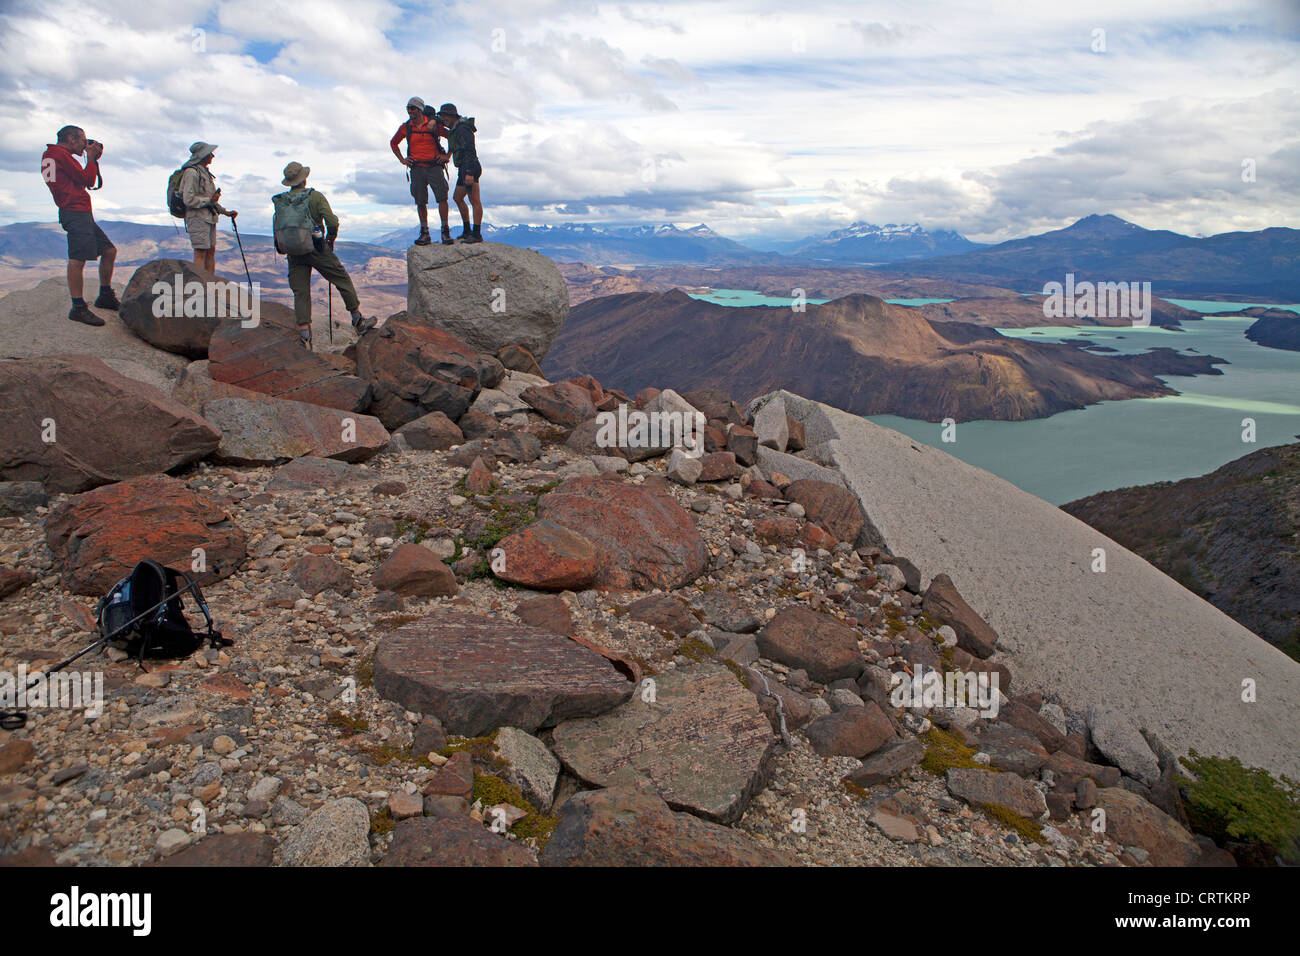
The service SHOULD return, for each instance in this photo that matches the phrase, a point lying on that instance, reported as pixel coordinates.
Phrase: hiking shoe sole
(85, 317)
(423, 240)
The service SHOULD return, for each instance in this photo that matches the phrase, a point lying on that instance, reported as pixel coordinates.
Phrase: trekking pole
(15, 719)
(330, 286)
(234, 226)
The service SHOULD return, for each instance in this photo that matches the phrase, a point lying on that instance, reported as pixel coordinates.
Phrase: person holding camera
(325, 229)
(199, 193)
(427, 162)
(69, 181)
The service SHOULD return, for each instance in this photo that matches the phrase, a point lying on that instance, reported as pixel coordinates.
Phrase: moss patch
(349, 725)
(482, 750)
(1026, 828)
(694, 649)
(382, 822)
(1232, 803)
(944, 750)
(537, 826)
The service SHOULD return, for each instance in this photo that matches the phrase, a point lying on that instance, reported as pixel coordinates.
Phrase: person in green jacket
(323, 260)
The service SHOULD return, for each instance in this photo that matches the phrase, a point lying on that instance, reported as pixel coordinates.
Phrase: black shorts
(86, 241)
(469, 169)
(424, 178)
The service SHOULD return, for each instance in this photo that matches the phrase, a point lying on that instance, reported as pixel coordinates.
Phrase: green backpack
(175, 204)
(291, 225)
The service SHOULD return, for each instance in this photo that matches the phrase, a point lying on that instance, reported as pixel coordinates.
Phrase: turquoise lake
(1135, 442)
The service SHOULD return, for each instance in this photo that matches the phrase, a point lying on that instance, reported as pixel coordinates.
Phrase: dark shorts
(469, 169)
(86, 241)
(424, 178)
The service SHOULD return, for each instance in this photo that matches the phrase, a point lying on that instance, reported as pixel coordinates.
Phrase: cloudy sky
(765, 120)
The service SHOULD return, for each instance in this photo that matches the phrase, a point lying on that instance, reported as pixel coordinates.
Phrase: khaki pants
(328, 265)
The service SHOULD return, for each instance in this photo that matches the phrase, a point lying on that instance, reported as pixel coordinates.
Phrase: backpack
(461, 139)
(292, 224)
(429, 130)
(152, 593)
(175, 204)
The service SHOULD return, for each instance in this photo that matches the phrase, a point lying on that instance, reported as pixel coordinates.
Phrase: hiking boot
(362, 324)
(447, 240)
(304, 333)
(423, 238)
(473, 235)
(465, 234)
(107, 300)
(82, 313)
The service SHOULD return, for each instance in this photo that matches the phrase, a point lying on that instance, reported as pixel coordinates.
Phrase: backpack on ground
(175, 204)
(292, 225)
(142, 614)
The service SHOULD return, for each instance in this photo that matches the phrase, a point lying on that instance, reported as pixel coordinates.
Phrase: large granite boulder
(644, 539)
(631, 826)
(270, 431)
(477, 673)
(184, 323)
(490, 295)
(72, 423)
(97, 537)
(701, 742)
(415, 368)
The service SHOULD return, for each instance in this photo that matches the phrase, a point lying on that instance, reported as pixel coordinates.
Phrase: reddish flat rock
(644, 539)
(478, 673)
(99, 536)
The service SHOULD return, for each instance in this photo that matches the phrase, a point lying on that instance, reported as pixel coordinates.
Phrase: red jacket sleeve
(83, 177)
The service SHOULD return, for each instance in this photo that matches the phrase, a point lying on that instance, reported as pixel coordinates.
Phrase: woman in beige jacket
(199, 192)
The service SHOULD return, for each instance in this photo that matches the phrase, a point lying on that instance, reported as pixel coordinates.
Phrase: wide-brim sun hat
(294, 174)
(200, 151)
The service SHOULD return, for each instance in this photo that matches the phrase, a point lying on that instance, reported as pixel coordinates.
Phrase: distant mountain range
(614, 245)
(858, 353)
(1263, 264)
(865, 244)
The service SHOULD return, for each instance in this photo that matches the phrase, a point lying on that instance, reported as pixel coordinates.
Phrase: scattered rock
(336, 834)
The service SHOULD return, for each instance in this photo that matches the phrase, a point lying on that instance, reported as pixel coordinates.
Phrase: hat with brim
(448, 109)
(200, 151)
(294, 174)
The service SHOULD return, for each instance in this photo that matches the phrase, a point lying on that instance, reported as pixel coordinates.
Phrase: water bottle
(318, 238)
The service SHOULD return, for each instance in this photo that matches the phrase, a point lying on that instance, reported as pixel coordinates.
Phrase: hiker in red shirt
(427, 161)
(68, 181)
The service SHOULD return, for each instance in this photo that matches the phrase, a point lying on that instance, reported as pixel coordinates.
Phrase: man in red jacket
(68, 181)
(427, 161)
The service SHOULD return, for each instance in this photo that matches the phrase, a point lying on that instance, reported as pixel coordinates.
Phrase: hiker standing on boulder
(199, 193)
(468, 169)
(68, 181)
(305, 229)
(427, 161)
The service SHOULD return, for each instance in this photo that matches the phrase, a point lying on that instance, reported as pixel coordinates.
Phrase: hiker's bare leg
(459, 196)
(75, 268)
(423, 210)
(442, 212)
(477, 204)
(106, 261)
